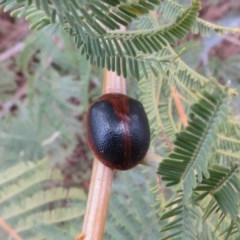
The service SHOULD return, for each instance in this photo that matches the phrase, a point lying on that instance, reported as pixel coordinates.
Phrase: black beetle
(118, 131)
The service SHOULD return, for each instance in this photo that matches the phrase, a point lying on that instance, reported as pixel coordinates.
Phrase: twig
(168, 141)
(152, 159)
(178, 103)
(101, 180)
(11, 52)
(97, 205)
(9, 230)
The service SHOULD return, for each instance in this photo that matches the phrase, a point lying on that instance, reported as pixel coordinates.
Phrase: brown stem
(178, 103)
(97, 205)
(168, 141)
(101, 179)
(151, 159)
(8, 229)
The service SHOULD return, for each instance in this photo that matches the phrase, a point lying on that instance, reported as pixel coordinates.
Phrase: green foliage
(183, 220)
(32, 196)
(129, 205)
(205, 186)
(46, 121)
(172, 9)
(193, 146)
(122, 52)
(7, 84)
(212, 212)
(223, 186)
(219, 199)
(202, 170)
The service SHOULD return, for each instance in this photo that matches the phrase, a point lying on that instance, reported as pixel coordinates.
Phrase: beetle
(118, 130)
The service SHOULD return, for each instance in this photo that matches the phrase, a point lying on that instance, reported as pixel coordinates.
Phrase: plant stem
(8, 229)
(152, 159)
(97, 205)
(182, 115)
(101, 179)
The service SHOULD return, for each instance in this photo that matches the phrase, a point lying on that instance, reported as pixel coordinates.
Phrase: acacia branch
(101, 179)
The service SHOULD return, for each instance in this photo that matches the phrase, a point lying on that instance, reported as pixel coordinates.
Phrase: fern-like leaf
(171, 8)
(216, 202)
(130, 214)
(224, 187)
(155, 92)
(193, 146)
(123, 52)
(31, 196)
(228, 147)
(182, 220)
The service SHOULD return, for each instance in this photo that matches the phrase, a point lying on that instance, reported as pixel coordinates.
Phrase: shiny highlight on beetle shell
(118, 131)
